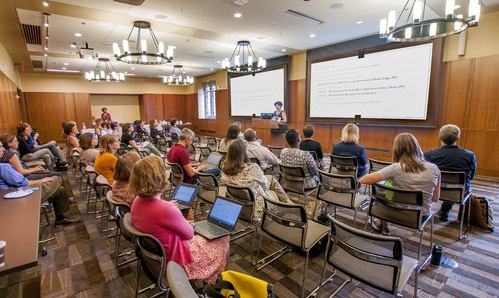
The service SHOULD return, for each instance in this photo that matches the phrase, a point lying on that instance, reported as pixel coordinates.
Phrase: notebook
(222, 219)
(185, 194)
(266, 115)
(213, 160)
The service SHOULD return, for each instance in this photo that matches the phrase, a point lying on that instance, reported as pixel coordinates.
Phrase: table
(263, 128)
(19, 227)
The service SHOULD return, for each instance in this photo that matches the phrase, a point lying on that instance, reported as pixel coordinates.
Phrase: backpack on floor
(482, 214)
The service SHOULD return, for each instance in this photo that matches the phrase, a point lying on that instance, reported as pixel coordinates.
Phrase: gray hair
(449, 134)
(186, 134)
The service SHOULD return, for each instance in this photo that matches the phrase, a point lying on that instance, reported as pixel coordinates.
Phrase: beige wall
(482, 40)
(220, 78)
(7, 66)
(298, 67)
(51, 82)
(123, 108)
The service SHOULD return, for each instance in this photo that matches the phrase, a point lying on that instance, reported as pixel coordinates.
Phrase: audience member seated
(140, 131)
(10, 156)
(201, 258)
(115, 130)
(34, 139)
(128, 139)
(408, 171)
(179, 155)
(124, 165)
(97, 127)
(231, 135)
(349, 147)
(51, 190)
(30, 150)
(241, 134)
(451, 157)
(237, 170)
(105, 163)
(308, 144)
(71, 132)
(295, 157)
(256, 150)
(89, 152)
(174, 130)
(155, 132)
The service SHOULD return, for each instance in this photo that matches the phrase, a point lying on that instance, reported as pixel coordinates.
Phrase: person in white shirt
(256, 150)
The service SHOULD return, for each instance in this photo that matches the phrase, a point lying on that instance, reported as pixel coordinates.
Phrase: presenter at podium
(279, 115)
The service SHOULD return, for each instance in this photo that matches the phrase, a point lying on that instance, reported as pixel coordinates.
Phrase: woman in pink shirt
(201, 258)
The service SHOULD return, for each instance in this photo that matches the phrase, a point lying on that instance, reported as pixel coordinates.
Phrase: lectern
(268, 131)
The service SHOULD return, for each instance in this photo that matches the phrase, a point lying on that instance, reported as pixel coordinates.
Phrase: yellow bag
(237, 284)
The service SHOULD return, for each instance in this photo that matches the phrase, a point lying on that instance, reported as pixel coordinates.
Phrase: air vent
(37, 63)
(32, 34)
(131, 2)
(304, 16)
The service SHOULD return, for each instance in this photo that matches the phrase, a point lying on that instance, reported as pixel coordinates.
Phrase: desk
(263, 129)
(19, 227)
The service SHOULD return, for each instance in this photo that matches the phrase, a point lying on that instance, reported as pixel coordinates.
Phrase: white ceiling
(204, 31)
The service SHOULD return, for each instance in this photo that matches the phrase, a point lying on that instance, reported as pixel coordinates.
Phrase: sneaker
(375, 224)
(66, 221)
(386, 232)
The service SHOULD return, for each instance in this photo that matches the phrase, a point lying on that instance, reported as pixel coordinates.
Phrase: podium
(268, 131)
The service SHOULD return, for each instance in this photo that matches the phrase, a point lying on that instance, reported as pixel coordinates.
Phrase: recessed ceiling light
(65, 63)
(45, 54)
(125, 72)
(212, 68)
(312, 35)
(133, 68)
(218, 62)
(283, 50)
(46, 24)
(46, 49)
(46, 37)
(457, 6)
(238, 15)
(359, 22)
(45, 3)
(64, 68)
(72, 45)
(77, 34)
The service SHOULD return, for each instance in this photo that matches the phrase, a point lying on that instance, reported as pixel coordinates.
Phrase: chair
(151, 258)
(212, 143)
(401, 207)
(203, 152)
(176, 174)
(122, 150)
(178, 281)
(344, 165)
(101, 186)
(276, 150)
(91, 175)
(288, 223)
(208, 188)
(378, 261)
(453, 190)
(292, 179)
(82, 175)
(193, 155)
(51, 234)
(244, 195)
(119, 214)
(314, 155)
(376, 165)
(342, 191)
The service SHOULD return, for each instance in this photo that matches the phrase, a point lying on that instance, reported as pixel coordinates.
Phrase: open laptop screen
(213, 159)
(185, 194)
(225, 212)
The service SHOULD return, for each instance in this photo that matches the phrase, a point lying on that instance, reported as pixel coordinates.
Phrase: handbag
(239, 285)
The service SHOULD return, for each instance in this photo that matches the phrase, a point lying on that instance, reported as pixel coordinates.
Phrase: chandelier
(243, 59)
(140, 55)
(425, 29)
(178, 78)
(104, 73)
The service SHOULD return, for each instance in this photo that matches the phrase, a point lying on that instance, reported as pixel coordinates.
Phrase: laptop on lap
(213, 160)
(185, 194)
(222, 219)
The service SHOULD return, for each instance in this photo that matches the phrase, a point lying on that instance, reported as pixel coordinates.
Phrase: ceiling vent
(240, 2)
(37, 63)
(131, 2)
(32, 34)
(304, 16)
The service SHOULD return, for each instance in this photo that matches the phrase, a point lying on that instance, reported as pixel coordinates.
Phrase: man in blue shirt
(50, 187)
(451, 157)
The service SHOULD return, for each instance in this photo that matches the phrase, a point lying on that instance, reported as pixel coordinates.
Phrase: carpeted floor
(80, 262)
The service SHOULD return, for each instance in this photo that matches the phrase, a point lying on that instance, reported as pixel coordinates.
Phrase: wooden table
(19, 227)
(264, 128)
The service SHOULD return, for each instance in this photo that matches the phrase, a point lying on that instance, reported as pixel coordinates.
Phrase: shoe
(59, 168)
(386, 232)
(66, 221)
(61, 163)
(444, 217)
(375, 225)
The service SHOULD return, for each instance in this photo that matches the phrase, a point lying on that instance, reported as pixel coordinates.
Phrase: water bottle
(436, 255)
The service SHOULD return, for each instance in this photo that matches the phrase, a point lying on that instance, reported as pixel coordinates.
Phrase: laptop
(266, 115)
(222, 219)
(185, 194)
(213, 160)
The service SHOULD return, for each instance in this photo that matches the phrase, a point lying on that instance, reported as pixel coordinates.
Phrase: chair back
(399, 206)
(376, 165)
(344, 165)
(372, 259)
(337, 189)
(112, 204)
(120, 212)
(286, 222)
(244, 195)
(178, 281)
(208, 190)
(212, 143)
(176, 173)
(203, 152)
(314, 155)
(276, 150)
(292, 179)
(122, 150)
(152, 258)
(255, 160)
(453, 186)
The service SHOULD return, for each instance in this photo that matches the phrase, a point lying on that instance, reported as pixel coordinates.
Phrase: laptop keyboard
(214, 229)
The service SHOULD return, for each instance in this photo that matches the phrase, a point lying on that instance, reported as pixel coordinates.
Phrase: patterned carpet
(80, 262)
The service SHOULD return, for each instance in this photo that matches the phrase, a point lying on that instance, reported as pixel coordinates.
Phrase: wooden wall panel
(10, 112)
(455, 86)
(152, 106)
(82, 106)
(36, 108)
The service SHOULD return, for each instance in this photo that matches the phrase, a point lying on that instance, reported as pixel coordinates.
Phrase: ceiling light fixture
(140, 55)
(45, 3)
(238, 15)
(104, 73)
(178, 77)
(243, 59)
(46, 23)
(421, 29)
(77, 34)
(312, 35)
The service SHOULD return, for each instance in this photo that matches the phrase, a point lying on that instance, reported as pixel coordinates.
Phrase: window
(207, 103)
